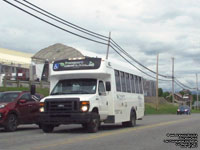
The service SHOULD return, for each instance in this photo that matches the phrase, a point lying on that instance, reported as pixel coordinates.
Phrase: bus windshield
(75, 86)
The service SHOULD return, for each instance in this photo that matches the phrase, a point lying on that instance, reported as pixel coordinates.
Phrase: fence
(18, 83)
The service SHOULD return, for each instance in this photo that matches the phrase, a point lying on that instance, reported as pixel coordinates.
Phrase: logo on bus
(56, 66)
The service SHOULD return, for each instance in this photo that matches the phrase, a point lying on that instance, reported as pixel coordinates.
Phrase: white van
(89, 91)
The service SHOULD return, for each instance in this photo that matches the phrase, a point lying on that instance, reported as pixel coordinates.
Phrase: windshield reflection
(75, 86)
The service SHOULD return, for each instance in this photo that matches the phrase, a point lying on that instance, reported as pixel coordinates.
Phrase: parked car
(17, 107)
(183, 109)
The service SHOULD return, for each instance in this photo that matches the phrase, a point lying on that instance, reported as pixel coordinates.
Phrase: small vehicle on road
(18, 107)
(183, 109)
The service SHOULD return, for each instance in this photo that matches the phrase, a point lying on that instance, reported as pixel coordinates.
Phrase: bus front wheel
(93, 125)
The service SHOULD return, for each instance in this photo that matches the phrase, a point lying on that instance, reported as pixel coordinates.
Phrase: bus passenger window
(117, 81)
(123, 81)
(137, 84)
(128, 86)
(101, 88)
(133, 83)
(140, 84)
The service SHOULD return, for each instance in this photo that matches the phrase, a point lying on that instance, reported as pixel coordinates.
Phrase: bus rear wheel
(132, 121)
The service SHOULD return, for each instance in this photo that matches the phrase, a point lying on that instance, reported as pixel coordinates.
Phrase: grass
(43, 91)
(195, 111)
(162, 109)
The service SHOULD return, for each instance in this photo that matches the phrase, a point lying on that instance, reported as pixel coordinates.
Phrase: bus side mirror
(33, 89)
(108, 86)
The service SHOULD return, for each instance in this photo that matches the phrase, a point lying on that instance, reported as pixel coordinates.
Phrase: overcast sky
(142, 27)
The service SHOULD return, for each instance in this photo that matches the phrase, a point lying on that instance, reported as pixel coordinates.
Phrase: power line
(128, 55)
(62, 21)
(179, 85)
(134, 65)
(113, 42)
(65, 20)
(54, 24)
(183, 85)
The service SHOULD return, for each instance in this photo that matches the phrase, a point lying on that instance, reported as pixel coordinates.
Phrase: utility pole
(108, 45)
(173, 80)
(157, 101)
(197, 91)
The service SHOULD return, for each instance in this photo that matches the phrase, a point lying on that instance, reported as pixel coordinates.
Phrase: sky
(143, 28)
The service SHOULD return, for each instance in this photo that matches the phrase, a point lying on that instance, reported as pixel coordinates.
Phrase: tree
(182, 93)
(160, 92)
(166, 94)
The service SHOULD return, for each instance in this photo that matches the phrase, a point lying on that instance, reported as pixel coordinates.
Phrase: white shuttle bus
(91, 91)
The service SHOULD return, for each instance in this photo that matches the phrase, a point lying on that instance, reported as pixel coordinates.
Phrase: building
(149, 88)
(44, 57)
(14, 65)
(184, 99)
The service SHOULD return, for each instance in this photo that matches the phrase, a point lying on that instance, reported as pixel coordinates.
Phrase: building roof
(11, 57)
(56, 52)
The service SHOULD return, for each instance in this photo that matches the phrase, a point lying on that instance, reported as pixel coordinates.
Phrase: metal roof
(15, 58)
(56, 52)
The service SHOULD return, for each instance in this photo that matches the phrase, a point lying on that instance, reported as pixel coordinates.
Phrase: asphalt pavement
(154, 132)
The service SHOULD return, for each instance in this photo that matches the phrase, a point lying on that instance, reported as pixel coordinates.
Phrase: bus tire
(132, 121)
(93, 125)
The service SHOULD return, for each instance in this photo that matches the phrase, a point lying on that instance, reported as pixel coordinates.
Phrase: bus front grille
(62, 105)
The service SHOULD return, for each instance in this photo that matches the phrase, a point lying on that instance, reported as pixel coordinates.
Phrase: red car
(18, 108)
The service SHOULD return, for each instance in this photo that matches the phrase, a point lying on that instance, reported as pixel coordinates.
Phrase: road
(148, 134)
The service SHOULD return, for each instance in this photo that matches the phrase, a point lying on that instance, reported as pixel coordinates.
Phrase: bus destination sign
(83, 64)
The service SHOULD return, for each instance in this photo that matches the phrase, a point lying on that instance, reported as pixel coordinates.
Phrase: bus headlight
(42, 107)
(85, 106)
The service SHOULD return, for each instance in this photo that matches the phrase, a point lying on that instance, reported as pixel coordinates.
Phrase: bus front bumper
(66, 118)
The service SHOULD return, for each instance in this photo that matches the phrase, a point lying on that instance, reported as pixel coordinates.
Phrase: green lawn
(43, 91)
(195, 111)
(162, 109)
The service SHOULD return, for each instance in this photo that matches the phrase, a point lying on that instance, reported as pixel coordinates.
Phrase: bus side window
(137, 84)
(117, 81)
(101, 89)
(128, 86)
(123, 81)
(133, 83)
(140, 84)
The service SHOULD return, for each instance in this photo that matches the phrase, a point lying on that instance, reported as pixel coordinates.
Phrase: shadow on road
(69, 129)
(20, 129)
(80, 130)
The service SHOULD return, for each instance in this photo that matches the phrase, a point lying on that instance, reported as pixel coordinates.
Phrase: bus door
(103, 100)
